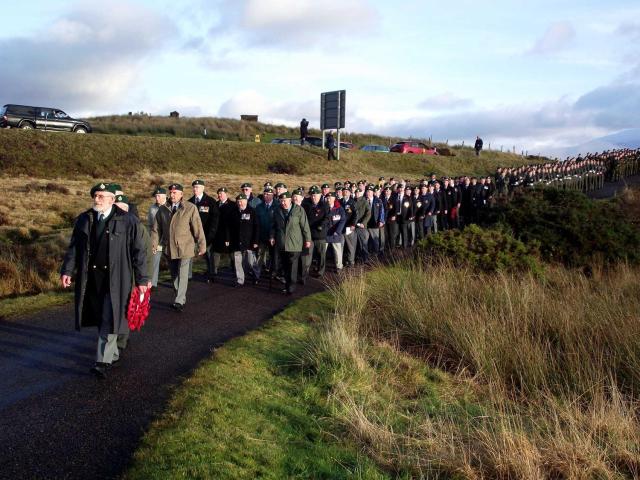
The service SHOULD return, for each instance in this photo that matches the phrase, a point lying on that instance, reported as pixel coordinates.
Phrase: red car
(413, 147)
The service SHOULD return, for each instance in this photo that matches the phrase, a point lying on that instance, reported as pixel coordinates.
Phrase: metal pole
(323, 133)
(338, 139)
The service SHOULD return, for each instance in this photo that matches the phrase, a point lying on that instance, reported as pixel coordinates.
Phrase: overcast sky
(534, 74)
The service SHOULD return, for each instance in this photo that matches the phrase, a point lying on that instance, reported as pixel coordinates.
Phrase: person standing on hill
(304, 130)
(181, 230)
(107, 254)
(478, 146)
(331, 146)
(209, 215)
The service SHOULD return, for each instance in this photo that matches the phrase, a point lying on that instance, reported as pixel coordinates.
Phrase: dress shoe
(100, 370)
(178, 307)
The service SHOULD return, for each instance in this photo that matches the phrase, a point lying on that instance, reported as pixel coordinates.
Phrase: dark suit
(209, 216)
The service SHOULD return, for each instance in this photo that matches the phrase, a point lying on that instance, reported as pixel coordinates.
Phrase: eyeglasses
(101, 196)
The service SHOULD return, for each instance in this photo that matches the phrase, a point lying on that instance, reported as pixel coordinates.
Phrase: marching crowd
(286, 234)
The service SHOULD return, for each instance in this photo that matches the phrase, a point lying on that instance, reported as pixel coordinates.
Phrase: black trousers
(332, 154)
(290, 267)
(404, 235)
(393, 231)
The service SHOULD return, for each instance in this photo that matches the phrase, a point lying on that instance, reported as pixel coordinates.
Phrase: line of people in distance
(289, 234)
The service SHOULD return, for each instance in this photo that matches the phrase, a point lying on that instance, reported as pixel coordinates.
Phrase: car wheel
(26, 126)
(81, 130)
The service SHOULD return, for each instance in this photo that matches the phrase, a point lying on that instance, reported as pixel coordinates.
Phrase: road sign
(332, 109)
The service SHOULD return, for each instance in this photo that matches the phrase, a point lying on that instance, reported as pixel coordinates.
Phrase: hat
(197, 182)
(297, 191)
(346, 189)
(325, 185)
(222, 189)
(284, 195)
(301, 188)
(280, 185)
(246, 185)
(122, 199)
(388, 187)
(175, 186)
(315, 190)
(267, 184)
(116, 187)
(103, 187)
(362, 182)
(331, 194)
(380, 179)
(242, 196)
(159, 191)
(370, 187)
(268, 190)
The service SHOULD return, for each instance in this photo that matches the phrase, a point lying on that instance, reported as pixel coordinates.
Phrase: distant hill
(625, 139)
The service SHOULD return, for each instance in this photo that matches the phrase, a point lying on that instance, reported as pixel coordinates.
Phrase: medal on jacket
(406, 204)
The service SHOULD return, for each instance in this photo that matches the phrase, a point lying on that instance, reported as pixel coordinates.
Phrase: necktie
(101, 217)
(175, 208)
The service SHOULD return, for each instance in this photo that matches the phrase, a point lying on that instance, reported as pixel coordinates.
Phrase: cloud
(445, 101)
(629, 29)
(294, 23)
(557, 37)
(84, 60)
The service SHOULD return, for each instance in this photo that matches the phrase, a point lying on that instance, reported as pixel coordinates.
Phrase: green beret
(280, 185)
(315, 190)
(376, 188)
(176, 186)
(197, 182)
(242, 196)
(300, 188)
(370, 187)
(297, 191)
(122, 199)
(347, 189)
(246, 185)
(222, 189)
(381, 179)
(325, 185)
(268, 190)
(331, 194)
(362, 182)
(158, 191)
(116, 187)
(268, 184)
(337, 184)
(103, 187)
(284, 195)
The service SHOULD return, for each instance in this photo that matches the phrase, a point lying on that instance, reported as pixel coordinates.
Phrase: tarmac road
(58, 421)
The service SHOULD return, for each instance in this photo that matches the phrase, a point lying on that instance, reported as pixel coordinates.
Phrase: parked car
(314, 141)
(41, 118)
(286, 141)
(375, 148)
(413, 147)
(347, 146)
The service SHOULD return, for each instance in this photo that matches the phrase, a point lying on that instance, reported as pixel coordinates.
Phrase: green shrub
(570, 228)
(485, 249)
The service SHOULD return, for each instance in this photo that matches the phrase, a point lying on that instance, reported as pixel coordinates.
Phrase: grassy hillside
(48, 155)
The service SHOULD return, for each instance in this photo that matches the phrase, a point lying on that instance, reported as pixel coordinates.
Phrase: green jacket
(290, 232)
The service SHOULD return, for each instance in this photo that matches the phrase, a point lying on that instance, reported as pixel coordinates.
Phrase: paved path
(612, 189)
(58, 421)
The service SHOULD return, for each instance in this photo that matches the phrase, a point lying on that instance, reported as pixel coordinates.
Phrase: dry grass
(546, 372)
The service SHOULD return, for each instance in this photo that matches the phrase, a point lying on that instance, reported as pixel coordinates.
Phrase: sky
(534, 75)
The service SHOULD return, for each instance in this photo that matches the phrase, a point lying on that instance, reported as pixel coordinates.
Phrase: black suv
(27, 118)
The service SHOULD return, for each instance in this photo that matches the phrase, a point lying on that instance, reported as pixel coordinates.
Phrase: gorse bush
(570, 228)
(488, 250)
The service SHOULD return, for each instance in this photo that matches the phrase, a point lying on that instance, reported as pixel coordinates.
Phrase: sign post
(332, 113)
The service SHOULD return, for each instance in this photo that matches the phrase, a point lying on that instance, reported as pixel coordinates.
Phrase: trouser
(180, 276)
(155, 268)
(319, 246)
(404, 235)
(266, 256)
(362, 236)
(208, 257)
(337, 253)
(412, 233)
(383, 239)
(350, 248)
(109, 342)
(217, 256)
(331, 155)
(393, 230)
(443, 224)
(374, 240)
(290, 267)
(245, 260)
(429, 225)
(419, 229)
